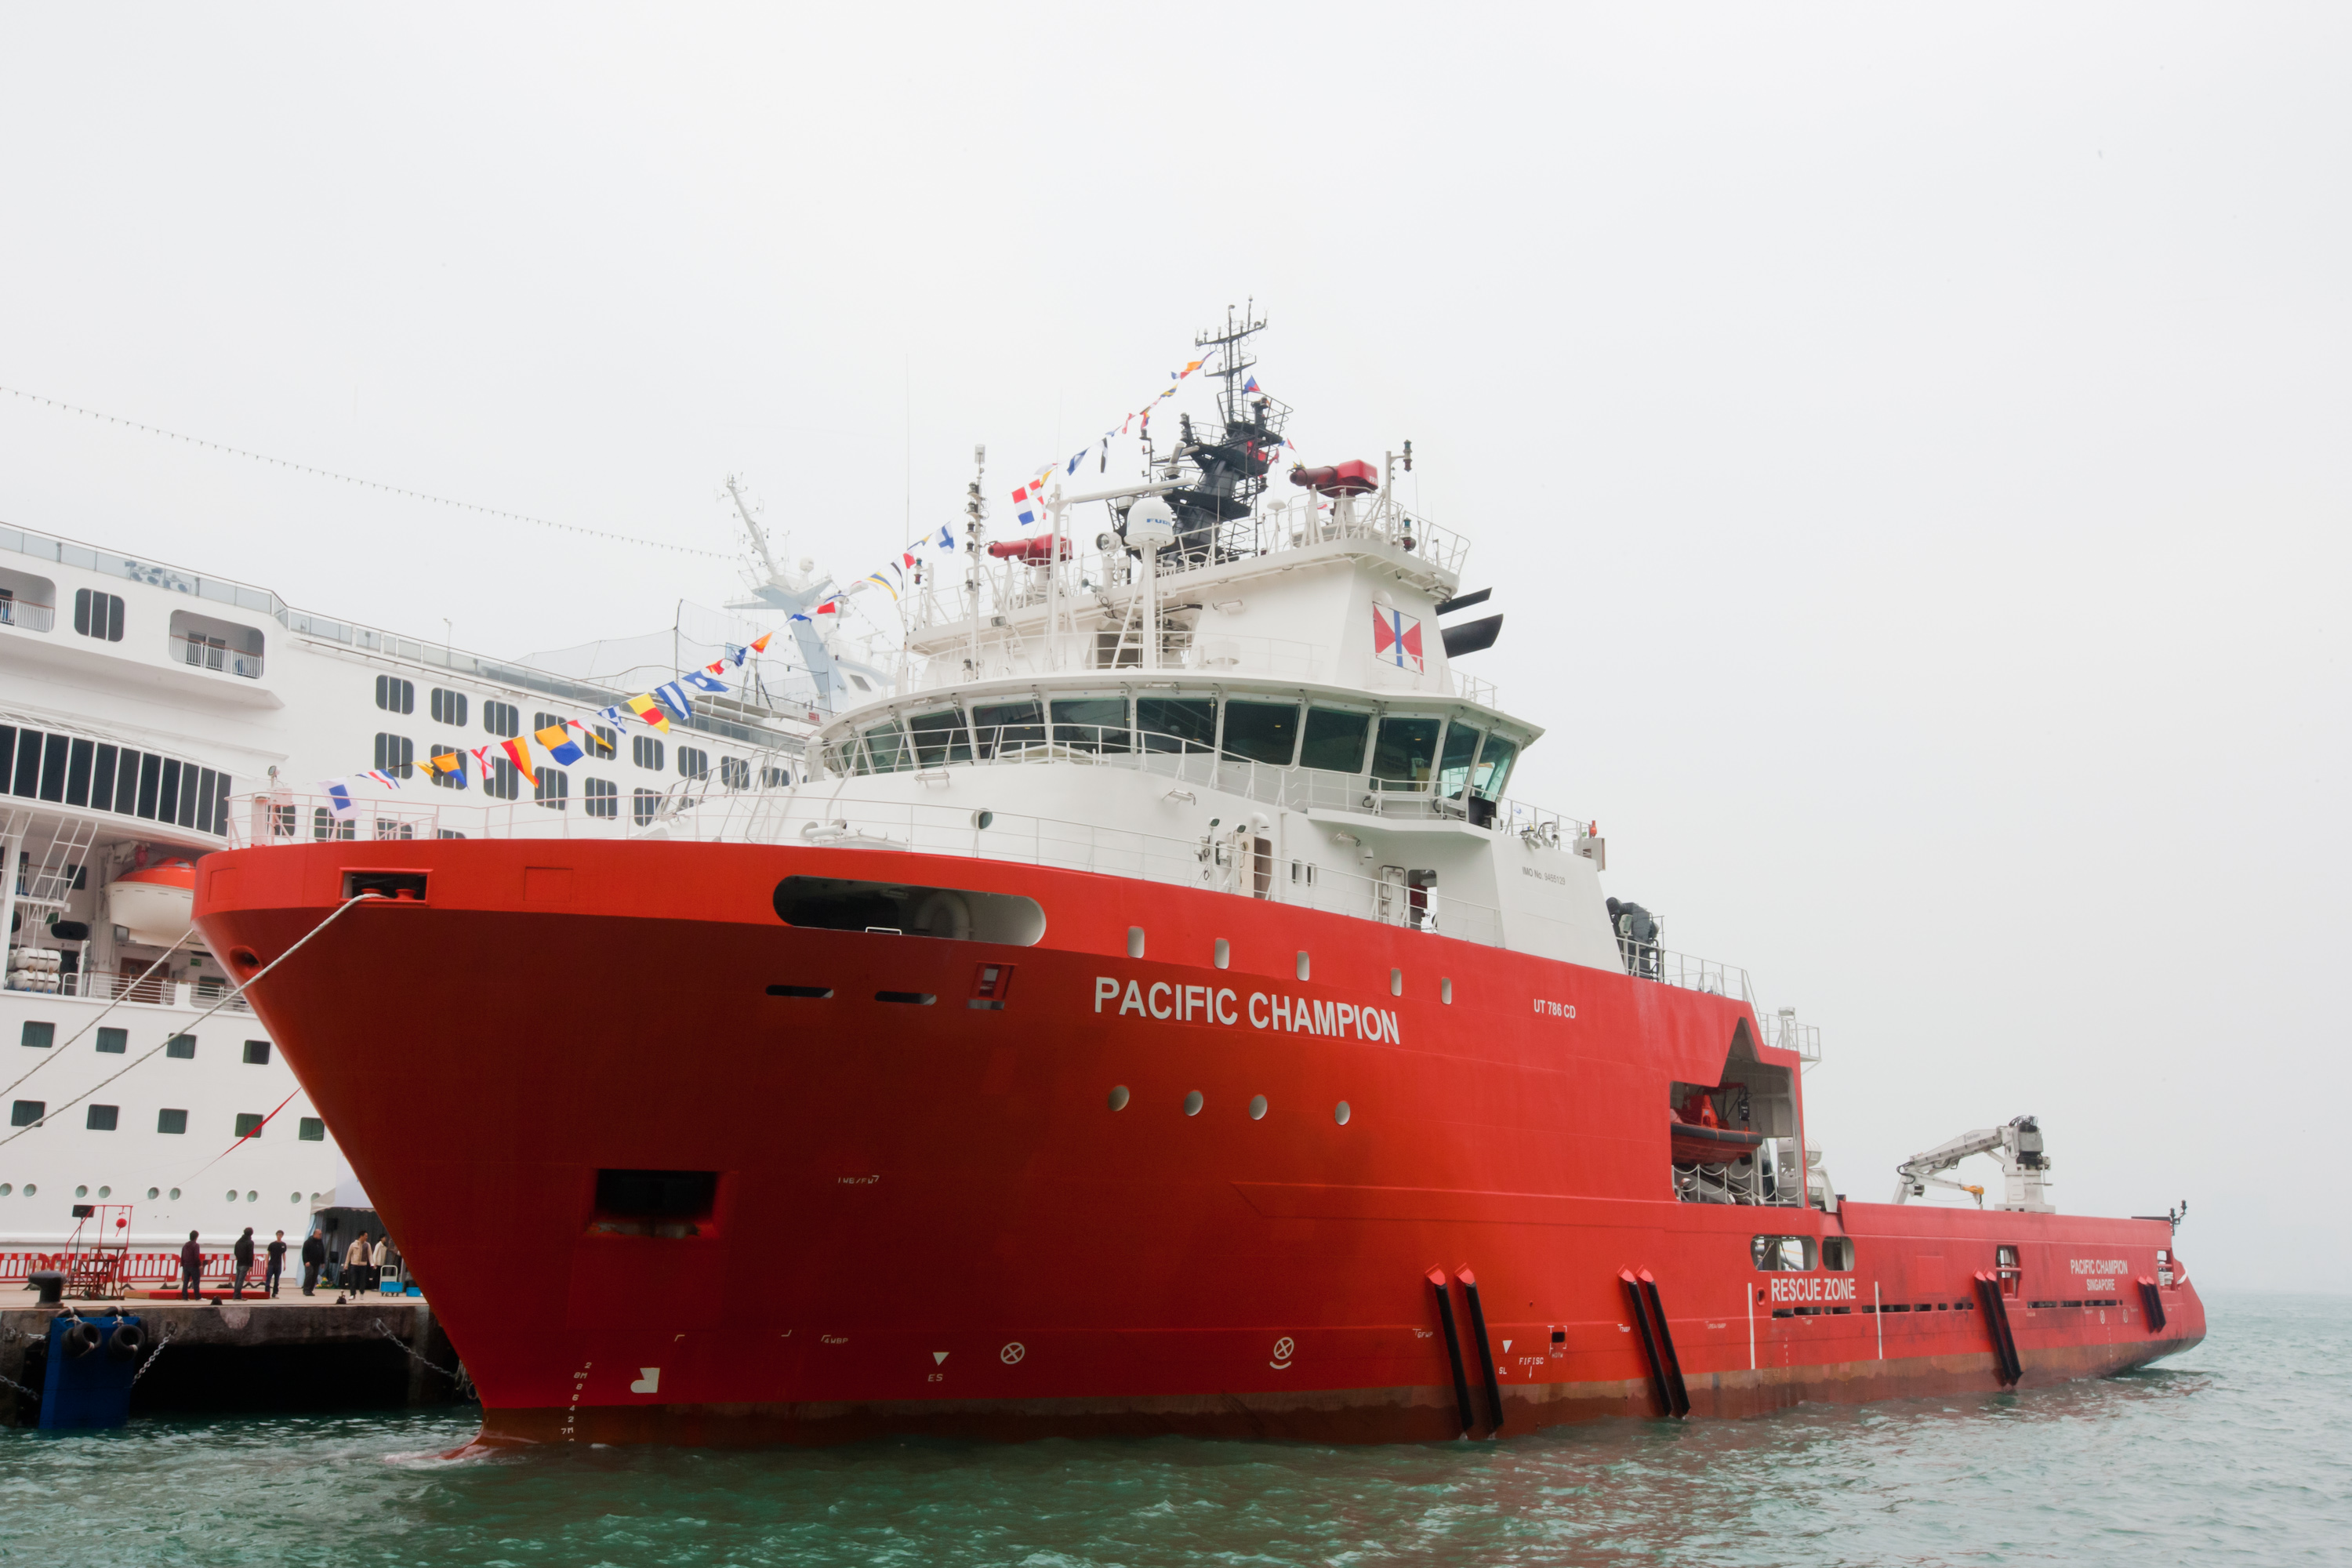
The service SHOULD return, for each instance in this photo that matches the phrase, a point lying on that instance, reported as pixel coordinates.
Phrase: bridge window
(1453, 762)
(1494, 768)
(1092, 724)
(1007, 726)
(1177, 724)
(1334, 741)
(939, 738)
(1262, 732)
(1405, 750)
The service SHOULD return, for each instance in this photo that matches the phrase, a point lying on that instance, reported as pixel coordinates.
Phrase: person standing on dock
(243, 1253)
(275, 1273)
(314, 1258)
(379, 1261)
(355, 1263)
(192, 1269)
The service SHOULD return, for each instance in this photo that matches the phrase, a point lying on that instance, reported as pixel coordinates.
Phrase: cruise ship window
(1092, 724)
(448, 708)
(1334, 741)
(126, 783)
(112, 1041)
(643, 804)
(395, 754)
(607, 744)
(693, 762)
(939, 738)
(1262, 731)
(1494, 768)
(546, 721)
(646, 751)
(181, 1046)
(102, 778)
(1405, 749)
(102, 1118)
(780, 778)
(248, 1124)
(456, 777)
(84, 753)
(501, 719)
(41, 1036)
(1005, 726)
(26, 602)
(1453, 762)
(1176, 724)
(394, 695)
(97, 614)
(501, 783)
(325, 825)
(53, 767)
(552, 789)
(27, 1112)
(256, 1053)
(601, 797)
(734, 772)
(171, 1122)
(312, 1131)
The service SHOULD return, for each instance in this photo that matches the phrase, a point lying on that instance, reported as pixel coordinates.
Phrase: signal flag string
(352, 480)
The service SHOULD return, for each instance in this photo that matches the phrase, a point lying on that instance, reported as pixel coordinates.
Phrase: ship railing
(212, 653)
(1648, 960)
(155, 991)
(27, 615)
(888, 748)
(1241, 862)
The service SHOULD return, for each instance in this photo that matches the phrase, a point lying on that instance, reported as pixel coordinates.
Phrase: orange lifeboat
(155, 904)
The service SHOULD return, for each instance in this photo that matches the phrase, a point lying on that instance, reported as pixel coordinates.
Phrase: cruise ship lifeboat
(155, 905)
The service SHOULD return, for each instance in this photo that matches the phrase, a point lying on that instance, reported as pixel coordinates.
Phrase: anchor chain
(458, 1379)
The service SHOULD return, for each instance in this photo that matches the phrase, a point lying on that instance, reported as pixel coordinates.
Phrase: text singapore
(1221, 1004)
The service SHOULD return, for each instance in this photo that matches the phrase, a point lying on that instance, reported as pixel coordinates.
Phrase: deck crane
(2017, 1145)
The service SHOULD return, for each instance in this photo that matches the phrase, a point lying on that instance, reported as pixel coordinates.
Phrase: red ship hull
(928, 1218)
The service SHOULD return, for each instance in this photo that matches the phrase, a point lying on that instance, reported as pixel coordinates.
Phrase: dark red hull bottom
(937, 1217)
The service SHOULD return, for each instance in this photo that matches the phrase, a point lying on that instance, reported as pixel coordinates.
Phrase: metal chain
(27, 1392)
(152, 1357)
(457, 1378)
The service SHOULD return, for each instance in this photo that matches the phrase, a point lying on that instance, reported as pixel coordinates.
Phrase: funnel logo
(648, 1380)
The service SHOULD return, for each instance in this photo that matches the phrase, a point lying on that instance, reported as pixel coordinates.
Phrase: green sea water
(2238, 1452)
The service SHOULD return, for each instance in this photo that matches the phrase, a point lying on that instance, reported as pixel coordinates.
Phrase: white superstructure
(146, 713)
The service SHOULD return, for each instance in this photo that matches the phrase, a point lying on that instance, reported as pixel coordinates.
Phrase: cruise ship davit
(1154, 1014)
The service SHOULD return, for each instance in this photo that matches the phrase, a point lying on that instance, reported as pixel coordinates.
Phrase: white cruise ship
(150, 715)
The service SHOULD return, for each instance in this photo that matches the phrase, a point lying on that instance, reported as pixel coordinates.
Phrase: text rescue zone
(1186, 1003)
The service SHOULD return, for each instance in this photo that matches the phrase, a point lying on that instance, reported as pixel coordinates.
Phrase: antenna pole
(976, 513)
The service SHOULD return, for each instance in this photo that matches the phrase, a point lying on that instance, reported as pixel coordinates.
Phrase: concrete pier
(254, 1356)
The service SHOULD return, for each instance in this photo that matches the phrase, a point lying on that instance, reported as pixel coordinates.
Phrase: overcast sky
(1910, 453)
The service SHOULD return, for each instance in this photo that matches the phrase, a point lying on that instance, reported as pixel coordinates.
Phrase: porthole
(1446, 992)
(31, 1187)
(1225, 954)
(6, 1188)
(1135, 941)
(1396, 981)
(106, 1192)
(81, 1192)
(175, 1194)
(1302, 963)
(1194, 1102)
(252, 1197)
(154, 1193)
(1118, 1098)
(1340, 1113)
(1257, 1108)
(293, 1198)
(232, 1195)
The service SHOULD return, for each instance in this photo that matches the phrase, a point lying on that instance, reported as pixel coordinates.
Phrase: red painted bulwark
(930, 1219)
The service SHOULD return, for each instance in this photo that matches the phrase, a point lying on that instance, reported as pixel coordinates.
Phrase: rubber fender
(81, 1340)
(126, 1342)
